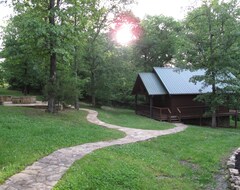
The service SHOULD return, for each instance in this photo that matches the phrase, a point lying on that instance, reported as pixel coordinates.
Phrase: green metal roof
(177, 81)
(152, 84)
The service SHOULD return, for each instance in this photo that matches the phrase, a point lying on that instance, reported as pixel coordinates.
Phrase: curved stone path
(46, 172)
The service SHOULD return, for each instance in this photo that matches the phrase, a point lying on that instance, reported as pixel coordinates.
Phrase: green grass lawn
(189, 160)
(5, 91)
(29, 134)
(128, 118)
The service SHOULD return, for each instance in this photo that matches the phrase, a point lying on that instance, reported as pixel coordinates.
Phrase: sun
(125, 29)
(124, 35)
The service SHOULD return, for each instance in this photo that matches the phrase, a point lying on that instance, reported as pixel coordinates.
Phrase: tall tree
(213, 34)
(50, 36)
(53, 6)
(21, 64)
(157, 46)
(99, 21)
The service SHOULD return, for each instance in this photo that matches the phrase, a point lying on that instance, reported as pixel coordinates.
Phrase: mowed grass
(190, 160)
(7, 92)
(128, 118)
(29, 134)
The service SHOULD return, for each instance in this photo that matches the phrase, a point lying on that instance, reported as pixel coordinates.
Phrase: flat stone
(230, 164)
(233, 171)
(237, 187)
(232, 158)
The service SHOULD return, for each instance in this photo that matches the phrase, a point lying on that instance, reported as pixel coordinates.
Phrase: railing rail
(192, 110)
(200, 111)
(162, 113)
(179, 114)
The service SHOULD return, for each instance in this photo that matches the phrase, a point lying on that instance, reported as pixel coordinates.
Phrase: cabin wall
(183, 101)
(163, 101)
(174, 101)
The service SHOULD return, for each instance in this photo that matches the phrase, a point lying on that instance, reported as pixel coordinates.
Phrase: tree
(65, 44)
(157, 45)
(213, 34)
(99, 20)
(20, 52)
(50, 35)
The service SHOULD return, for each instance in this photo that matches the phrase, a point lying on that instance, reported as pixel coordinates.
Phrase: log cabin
(167, 94)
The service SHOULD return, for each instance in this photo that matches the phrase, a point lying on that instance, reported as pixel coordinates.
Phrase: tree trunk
(53, 61)
(213, 67)
(76, 105)
(24, 90)
(52, 82)
(214, 119)
(93, 88)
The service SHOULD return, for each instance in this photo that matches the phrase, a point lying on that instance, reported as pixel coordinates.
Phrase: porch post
(151, 102)
(236, 118)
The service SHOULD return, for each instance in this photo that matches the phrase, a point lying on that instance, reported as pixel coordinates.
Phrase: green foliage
(212, 43)
(87, 58)
(29, 134)
(158, 44)
(21, 66)
(65, 89)
(71, 30)
(115, 77)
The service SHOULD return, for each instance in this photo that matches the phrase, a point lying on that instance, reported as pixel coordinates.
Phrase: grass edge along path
(128, 118)
(30, 134)
(190, 160)
(46, 172)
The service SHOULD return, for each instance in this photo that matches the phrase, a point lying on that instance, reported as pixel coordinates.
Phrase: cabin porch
(195, 115)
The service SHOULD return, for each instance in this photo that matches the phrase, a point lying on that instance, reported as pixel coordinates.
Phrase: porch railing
(156, 112)
(191, 111)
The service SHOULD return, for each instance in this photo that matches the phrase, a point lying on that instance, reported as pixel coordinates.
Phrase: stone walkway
(46, 172)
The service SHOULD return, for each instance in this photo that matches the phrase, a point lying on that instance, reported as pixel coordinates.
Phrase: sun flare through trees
(125, 29)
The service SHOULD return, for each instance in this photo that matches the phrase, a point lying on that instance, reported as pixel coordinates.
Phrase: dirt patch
(160, 177)
(220, 178)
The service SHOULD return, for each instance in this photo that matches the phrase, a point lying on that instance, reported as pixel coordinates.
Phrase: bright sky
(173, 8)
(5, 12)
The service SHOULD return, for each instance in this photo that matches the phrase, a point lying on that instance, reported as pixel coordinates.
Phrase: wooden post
(236, 117)
(151, 102)
(160, 114)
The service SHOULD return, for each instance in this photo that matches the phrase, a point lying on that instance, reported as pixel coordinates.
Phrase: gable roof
(172, 81)
(177, 81)
(152, 84)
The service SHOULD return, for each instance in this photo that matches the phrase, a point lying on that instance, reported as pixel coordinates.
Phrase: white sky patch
(174, 8)
(5, 13)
